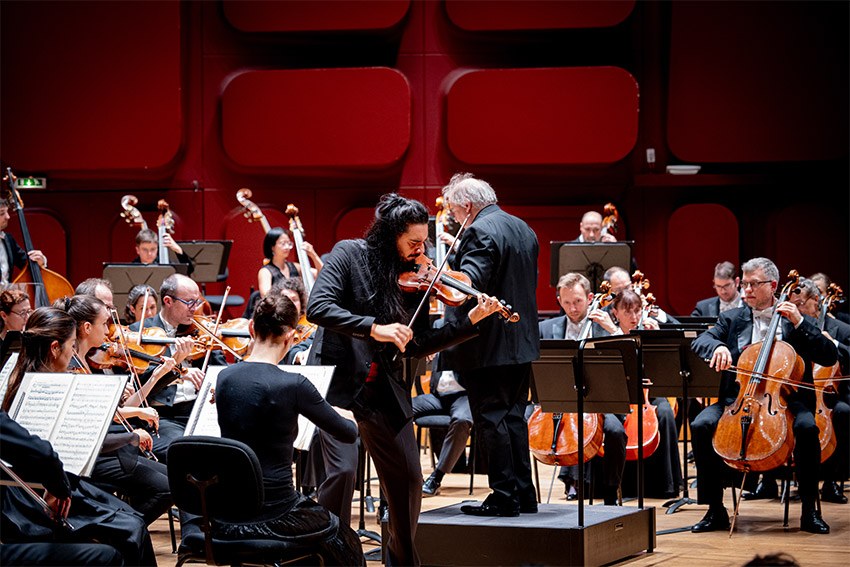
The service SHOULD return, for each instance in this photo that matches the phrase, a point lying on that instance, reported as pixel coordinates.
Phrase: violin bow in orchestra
(42, 503)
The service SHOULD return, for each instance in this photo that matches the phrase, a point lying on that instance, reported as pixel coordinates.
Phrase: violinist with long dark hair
(364, 320)
(723, 344)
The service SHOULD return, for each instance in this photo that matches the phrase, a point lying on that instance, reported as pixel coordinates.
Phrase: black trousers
(340, 467)
(143, 481)
(711, 470)
(837, 467)
(457, 407)
(498, 396)
(82, 554)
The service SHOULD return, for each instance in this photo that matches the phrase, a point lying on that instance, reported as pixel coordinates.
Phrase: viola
(755, 432)
(111, 354)
(823, 376)
(233, 333)
(304, 330)
(452, 288)
(43, 286)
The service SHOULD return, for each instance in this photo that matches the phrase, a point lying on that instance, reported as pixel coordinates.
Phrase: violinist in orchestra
(293, 288)
(147, 249)
(620, 279)
(259, 404)
(726, 284)
(823, 282)
(722, 345)
(836, 468)
(99, 288)
(277, 246)
(48, 346)
(136, 303)
(11, 254)
(364, 322)
(14, 310)
(174, 395)
(120, 463)
(590, 229)
(498, 252)
(575, 298)
(663, 477)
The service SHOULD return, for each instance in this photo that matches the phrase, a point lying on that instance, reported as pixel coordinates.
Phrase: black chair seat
(226, 552)
(433, 421)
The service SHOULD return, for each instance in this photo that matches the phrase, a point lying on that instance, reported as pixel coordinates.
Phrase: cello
(610, 219)
(823, 376)
(552, 438)
(43, 286)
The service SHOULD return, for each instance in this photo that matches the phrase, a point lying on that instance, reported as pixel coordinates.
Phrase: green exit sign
(32, 183)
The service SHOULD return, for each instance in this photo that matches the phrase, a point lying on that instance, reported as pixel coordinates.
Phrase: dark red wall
(327, 105)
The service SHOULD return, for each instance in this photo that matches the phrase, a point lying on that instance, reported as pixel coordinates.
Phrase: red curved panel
(48, 235)
(325, 117)
(694, 247)
(246, 254)
(490, 15)
(314, 15)
(569, 116)
(91, 85)
(757, 82)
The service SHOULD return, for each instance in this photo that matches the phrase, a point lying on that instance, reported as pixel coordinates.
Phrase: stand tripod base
(673, 505)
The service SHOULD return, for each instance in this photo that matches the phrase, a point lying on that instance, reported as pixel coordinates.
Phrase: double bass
(823, 376)
(251, 211)
(43, 286)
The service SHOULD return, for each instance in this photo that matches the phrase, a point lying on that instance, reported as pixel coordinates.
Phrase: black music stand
(208, 256)
(675, 370)
(11, 343)
(590, 259)
(604, 370)
(125, 276)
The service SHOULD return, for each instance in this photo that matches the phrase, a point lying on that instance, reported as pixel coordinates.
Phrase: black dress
(259, 405)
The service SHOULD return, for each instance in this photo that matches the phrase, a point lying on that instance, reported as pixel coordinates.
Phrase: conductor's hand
(395, 333)
(59, 506)
(721, 359)
(487, 305)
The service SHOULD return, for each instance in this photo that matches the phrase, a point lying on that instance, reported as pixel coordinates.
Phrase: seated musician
(48, 345)
(259, 405)
(575, 297)
(823, 281)
(723, 344)
(620, 279)
(11, 254)
(147, 249)
(174, 395)
(277, 246)
(136, 303)
(14, 310)
(727, 285)
(120, 463)
(590, 229)
(663, 467)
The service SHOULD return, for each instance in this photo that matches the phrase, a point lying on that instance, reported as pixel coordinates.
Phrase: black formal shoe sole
(833, 497)
(528, 509)
(819, 528)
(490, 511)
(712, 526)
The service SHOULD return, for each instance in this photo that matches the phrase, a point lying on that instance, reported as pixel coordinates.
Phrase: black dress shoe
(712, 521)
(765, 490)
(812, 522)
(571, 493)
(431, 487)
(831, 492)
(492, 507)
(528, 507)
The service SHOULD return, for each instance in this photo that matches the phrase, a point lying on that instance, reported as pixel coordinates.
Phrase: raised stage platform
(447, 537)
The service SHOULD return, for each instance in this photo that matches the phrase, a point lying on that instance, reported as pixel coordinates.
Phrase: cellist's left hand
(790, 312)
(38, 257)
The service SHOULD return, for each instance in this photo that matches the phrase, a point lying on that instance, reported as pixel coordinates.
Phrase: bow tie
(764, 315)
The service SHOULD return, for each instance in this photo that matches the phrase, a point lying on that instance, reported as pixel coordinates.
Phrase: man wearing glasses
(722, 346)
(174, 398)
(726, 285)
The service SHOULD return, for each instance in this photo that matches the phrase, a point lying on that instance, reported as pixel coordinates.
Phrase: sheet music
(204, 418)
(5, 373)
(39, 401)
(82, 426)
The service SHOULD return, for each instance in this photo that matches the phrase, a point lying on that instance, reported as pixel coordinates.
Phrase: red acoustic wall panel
(694, 247)
(566, 116)
(758, 81)
(91, 86)
(335, 118)
(490, 15)
(48, 235)
(314, 15)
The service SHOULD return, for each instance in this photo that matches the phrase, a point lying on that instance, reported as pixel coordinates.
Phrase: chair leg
(471, 462)
(536, 477)
(785, 493)
(431, 449)
(171, 530)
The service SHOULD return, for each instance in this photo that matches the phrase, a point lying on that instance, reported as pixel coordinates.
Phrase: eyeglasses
(190, 303)
(22, 314)
(754, 284)
(727, 285)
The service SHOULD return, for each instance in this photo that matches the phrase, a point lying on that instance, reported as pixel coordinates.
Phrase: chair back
(216, 478)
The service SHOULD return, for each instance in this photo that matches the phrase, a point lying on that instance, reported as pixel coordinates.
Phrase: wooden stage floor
(759, 529)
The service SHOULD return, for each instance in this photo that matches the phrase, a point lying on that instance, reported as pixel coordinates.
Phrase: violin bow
(215, 329)
(34, 495)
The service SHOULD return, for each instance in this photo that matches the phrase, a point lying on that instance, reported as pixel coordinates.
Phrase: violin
(452, 288)
(251, 211)
(823, 376)
(755, 432)
(304, 330)
(298, 236)
(233, 334)
(43, 286)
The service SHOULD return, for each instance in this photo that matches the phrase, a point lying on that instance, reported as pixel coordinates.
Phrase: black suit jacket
(498, 252)
(556, 328)
(17, 255)
(734, 329)
(343, 303)
(709, 307)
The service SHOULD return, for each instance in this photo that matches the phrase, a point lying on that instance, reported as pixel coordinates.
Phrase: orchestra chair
(220, 480)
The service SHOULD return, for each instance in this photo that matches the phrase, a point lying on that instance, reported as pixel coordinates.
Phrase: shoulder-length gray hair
(464, 189)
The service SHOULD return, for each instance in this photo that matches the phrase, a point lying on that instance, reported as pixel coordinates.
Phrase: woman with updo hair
(259, 404)
(135, 303)
(14, 310)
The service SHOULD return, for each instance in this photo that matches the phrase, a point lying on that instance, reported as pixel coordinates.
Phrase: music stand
(590, 259)
(674, 370)
(208, 256)
(11, 343)
(125, 276)
(604, 370)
